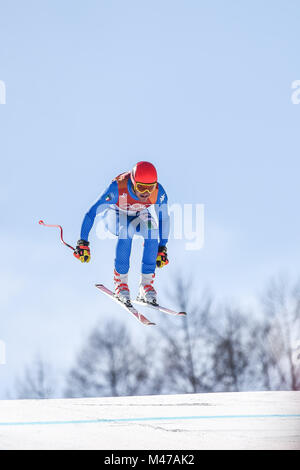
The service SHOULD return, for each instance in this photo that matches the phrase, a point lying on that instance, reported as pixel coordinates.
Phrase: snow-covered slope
(248, 420)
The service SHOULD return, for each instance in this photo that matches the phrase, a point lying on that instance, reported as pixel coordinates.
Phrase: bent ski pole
(41, 222)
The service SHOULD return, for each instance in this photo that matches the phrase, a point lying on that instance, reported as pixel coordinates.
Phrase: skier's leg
(149, 256)
(149, 230)
(146, 289)
(118, 225)
(122, 260)
(122, 256)
(121, 269)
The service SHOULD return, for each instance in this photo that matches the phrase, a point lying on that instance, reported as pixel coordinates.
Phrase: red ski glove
(82, 251)
(162, 257)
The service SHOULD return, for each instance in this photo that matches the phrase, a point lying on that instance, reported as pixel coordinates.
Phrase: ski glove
(162, 257)
(82, 251)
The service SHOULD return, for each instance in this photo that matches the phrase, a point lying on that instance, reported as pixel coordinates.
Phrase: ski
(160, 308)
(129, 307)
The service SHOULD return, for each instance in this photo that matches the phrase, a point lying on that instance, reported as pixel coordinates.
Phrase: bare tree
(209, 350)
(184, 355)
(231, 347)
(112, 364)
(37, 382)
(281, 303)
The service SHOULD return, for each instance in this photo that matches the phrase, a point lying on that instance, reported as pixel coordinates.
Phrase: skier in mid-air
(124, 210)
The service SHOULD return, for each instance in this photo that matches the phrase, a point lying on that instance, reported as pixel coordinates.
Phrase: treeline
(216, 348)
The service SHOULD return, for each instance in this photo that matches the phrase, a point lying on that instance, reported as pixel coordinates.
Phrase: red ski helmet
(143, 172)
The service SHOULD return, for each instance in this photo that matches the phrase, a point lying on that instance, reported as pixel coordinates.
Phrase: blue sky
(200, 88)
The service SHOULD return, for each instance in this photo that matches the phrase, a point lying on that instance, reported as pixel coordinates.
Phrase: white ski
(129, 307)
(160, 308)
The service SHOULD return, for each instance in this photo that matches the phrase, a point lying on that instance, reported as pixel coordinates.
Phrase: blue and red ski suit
(125, 215)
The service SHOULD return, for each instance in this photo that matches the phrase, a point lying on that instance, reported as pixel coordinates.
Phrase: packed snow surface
(246, 420)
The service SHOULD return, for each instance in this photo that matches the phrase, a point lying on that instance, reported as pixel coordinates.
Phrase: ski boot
(122, 292)
(147, 293)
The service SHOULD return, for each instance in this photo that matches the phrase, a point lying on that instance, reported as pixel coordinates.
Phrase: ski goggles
(145, 187)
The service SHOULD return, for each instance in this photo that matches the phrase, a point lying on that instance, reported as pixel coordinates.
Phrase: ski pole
(41, 222)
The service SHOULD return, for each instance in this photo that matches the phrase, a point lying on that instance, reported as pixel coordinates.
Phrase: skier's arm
(110, 196)
(162, 211)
